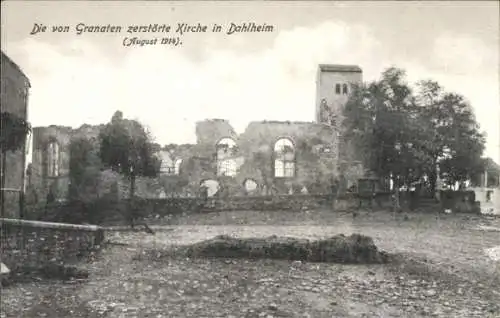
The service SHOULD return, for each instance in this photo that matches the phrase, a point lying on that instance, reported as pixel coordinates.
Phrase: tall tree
(377, 120)
(450, 134)
(84, 170)
(126, 147)
(407, 134)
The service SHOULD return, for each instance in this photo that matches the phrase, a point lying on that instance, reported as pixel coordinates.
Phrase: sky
(243, 77)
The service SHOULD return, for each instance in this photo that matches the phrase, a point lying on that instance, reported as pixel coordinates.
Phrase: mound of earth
(353, 249)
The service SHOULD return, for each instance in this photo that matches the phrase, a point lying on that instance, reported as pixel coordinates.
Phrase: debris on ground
(353, 249)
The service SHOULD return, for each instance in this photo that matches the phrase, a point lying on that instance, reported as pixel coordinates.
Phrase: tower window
(337, 89)
(345, 89)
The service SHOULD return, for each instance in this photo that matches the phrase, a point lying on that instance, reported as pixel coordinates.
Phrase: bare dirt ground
(447, 272)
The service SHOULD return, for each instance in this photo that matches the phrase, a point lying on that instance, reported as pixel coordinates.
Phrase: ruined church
(269, 157)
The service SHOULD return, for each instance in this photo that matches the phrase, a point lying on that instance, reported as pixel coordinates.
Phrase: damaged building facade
(269, 157)
(50, 163)
(14, 100)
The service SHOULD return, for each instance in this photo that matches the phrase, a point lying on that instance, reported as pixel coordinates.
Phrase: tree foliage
(451, 135)
(126, 147)
(84, 170)
(406, 132)
(14, 130)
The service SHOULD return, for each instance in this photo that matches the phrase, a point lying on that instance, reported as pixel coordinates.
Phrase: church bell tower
(334, 85)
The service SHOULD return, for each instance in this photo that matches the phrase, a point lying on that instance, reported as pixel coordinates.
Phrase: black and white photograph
(250, 159)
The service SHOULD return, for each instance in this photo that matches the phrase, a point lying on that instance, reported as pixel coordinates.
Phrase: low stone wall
(147, 208)
(115, 211)
(351, 201)
(460, 201)
(452, 197)
(34, 244)
(294, 202)
(111, 211)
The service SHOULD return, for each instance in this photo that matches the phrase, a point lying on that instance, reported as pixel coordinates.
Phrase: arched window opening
(177, 166)
(169, 165)
(211, 187)
(226, 152)
(284, 158)
(250, 186)
(166, 166)
(345, 89)
(53, 157)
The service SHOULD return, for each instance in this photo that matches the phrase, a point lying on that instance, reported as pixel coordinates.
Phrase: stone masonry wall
(316, 149)
(42, 136)
(309, 139)
(14, 99)
(109, 212)
(33, 244)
